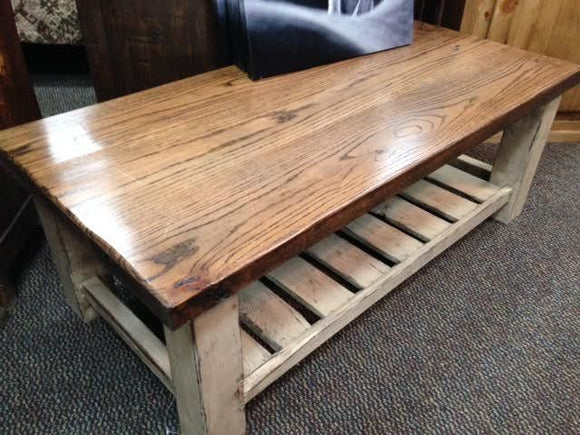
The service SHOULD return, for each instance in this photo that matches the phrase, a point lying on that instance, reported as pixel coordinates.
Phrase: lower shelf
(298, 306)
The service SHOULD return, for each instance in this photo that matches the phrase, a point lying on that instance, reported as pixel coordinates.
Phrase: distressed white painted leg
(74, 259)
(206, 367)
(518, 157)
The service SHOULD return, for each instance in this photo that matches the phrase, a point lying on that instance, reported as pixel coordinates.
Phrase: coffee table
(256, 219)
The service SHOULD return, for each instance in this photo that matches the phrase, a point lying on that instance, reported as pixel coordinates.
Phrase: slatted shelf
(349, 262)
(441, 201)
(370, 256)
(310, 286)
(269, 317)
(254, 354)
(383, 238)
(470, 185)
(405, 231)
(411, 218)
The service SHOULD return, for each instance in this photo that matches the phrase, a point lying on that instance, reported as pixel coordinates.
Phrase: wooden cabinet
(17, 100)
(137, 44)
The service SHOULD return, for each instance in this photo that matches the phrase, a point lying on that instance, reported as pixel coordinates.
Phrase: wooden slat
(411, 218)
(501, 20)
(473, 166)
(130, 328)
(348, 261)
(311, 287)
(449, 205)
(386, 239)
(477, 17)
(269, 317)
(327, 327)
(472, 186)
(253, 354)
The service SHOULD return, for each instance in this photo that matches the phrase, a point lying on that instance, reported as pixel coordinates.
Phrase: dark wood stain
(17, 99)
(197, 188)
(17, 105)
(137, 44)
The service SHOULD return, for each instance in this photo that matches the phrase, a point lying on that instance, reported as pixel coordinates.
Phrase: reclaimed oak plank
(435, 198)
(269, 317)
(309, 286)
(389, 241)
(412, 219)
(351, 263)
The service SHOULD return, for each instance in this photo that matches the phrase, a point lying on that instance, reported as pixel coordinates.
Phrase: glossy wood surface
(199, 187)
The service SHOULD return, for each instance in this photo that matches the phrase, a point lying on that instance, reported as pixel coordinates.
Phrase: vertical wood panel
(548, 27)
(477, 17)
(501, 20)
(446, 13)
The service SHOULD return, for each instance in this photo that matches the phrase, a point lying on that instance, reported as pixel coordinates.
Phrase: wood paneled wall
(551, 27)
(446, 13)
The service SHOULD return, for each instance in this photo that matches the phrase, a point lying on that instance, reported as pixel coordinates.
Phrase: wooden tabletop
(199, 187)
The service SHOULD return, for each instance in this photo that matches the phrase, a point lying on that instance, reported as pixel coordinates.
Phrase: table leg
(518, 157)
(73, 257)
(206, 368)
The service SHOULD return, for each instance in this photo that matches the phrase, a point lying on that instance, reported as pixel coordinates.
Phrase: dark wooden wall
(137, 44)
(17, 105)
(17, 100)
(446, 13)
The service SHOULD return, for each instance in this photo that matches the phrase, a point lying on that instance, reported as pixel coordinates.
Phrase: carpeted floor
(485, 339)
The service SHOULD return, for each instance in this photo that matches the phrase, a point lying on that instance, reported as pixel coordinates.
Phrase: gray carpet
(485, 339)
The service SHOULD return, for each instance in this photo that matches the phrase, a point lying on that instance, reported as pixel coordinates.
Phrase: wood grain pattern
(137, 44)
(269, 317)
(351, 263)
(254, 355)
(518, 156)
(75, 260)
(199, 187)
(325, 328)
(414, 220)
(386, 239)
(501, 20)
(477, 17)
(472, 166)
(435, 198)
(548, 27)
(470, 185)
(206, 362)
(309, 286)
